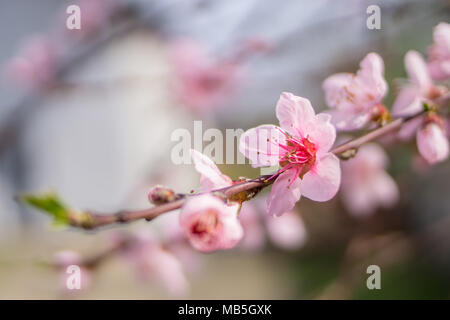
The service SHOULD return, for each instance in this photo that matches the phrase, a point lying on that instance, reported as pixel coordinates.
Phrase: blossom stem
(374, 134)
(96, 220)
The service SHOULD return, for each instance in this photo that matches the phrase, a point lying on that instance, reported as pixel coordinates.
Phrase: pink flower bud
(209, 224)
(159, 195)
(432, 143)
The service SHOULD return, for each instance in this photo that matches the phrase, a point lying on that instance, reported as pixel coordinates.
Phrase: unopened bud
(348, 154)
(160, 194)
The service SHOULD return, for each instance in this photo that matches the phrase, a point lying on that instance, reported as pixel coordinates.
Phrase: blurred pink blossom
(366, 185)
(420, 89)
(253, 225)
(428, 129)
(301, 147)
(432, 143)
(439, 53)
(201, 82)
(174, 239)
(35, 66)
(356, 99)
(210, 176)
(287, 231)
(152, 262)
(209, 224)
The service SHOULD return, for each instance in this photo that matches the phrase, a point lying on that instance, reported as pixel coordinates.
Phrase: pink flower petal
(294, 112)
(439, 70)
(210, 175)
(385, 190)
(372, 74)
(365, 184)
(322, 133)
(349, 121)
(441, 36)
(251, 220)
(354, 96)
(261, 145)
(322, 182)
(168, 270)
(409, 129)
(417, 70)
(432, 143)
(408, 102)
(284, 194)
(333, 87)
(232, 230)
(287, 231)
(439, 52)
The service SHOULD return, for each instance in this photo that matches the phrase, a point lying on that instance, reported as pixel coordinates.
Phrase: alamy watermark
(222, 146)
(73, 280)
(373, 21)
(73, 21)
(374, 280)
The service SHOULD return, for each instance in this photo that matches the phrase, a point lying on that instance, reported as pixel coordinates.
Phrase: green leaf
(51, 204)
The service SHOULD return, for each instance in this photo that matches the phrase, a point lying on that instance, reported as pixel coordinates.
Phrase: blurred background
(89, 114)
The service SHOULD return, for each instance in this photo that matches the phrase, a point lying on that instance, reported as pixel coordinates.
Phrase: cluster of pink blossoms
(210, 224)
(301, 147)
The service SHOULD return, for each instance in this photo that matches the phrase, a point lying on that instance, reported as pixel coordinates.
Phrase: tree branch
(94, 220)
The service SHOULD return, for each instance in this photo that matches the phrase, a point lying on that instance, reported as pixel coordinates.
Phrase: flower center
(300, 153)
(206, 224)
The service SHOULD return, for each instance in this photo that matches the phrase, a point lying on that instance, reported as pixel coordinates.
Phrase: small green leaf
(51, 204)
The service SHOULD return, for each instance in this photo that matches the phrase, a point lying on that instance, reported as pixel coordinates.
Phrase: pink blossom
(356, 99)
(210, 176)
(152, 262)
(432, 143)
(421, 89)
(63, 260)
(201, 82)
(288, 231)
(365, 184)
(301, 147)
(254, 227)
(439, 53)
(36, 64)
(410, 100)
(209, 224)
